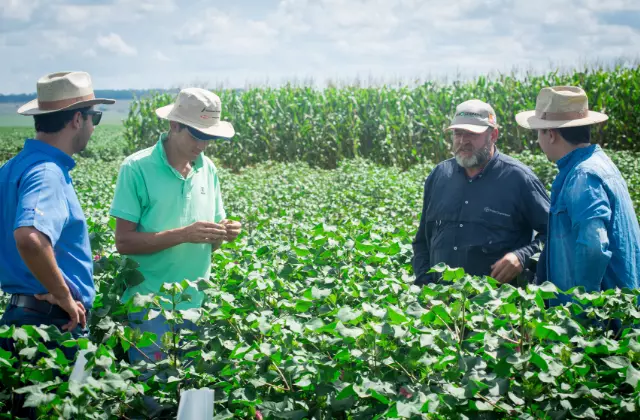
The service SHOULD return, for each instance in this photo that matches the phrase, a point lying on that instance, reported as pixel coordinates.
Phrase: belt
(41, 306)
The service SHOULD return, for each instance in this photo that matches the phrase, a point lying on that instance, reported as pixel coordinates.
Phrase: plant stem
(288, 387)
(413, 378)
(464, 307)
(494, 406)
(122, 337)
(522, 327)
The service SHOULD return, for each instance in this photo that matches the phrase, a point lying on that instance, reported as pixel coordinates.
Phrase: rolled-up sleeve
(589, 210)
(42, 203)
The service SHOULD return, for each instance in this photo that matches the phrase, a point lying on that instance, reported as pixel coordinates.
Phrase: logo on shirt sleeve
(202, 191)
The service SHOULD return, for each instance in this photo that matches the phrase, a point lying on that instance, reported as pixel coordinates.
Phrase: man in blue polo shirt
(45, 255)
(481, 207)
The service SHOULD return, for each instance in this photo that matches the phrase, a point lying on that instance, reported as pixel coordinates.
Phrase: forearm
(37, 253)
(139, 243)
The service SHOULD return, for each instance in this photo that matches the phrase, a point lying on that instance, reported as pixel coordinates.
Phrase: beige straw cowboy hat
(199, 109)
(61, 92)
(560, 107)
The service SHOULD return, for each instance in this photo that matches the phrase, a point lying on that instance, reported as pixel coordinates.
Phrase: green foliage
(106, 144)
(312, 314)
(390, 125)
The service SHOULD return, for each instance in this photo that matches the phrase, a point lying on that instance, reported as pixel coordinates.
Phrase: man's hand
(204, 232)
(507, 268)
(74, 308)
(233, 229)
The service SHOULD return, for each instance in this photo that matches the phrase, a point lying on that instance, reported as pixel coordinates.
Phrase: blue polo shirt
(36, 190)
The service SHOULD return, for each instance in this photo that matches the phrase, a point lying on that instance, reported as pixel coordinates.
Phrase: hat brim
(529, 121)
(478, 129)
(31, 107)
(222, 129)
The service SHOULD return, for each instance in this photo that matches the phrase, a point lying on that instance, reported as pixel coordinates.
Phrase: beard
(81, 139)
(479, 158)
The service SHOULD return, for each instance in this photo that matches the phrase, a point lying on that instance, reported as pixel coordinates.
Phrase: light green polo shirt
(153, 194)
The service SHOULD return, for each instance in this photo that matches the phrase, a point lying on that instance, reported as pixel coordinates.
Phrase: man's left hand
(507, 268)
(233, 229)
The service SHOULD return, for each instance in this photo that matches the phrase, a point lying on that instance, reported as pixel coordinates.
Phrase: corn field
(397, 126)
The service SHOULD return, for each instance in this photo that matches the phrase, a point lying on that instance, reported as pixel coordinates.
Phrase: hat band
(63, 103)
(564, 116)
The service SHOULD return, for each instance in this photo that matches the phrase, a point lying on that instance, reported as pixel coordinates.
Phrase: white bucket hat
(199, 109)
(61, 92)
(560, 107)
(475, 116)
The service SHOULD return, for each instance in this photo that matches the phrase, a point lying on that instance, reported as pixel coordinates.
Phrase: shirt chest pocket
(560, 223)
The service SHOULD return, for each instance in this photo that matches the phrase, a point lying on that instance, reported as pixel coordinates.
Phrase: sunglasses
(96, 116)
(199, 135)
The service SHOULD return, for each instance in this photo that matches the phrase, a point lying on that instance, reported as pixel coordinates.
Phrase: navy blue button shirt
(473, 222)
(36, 190)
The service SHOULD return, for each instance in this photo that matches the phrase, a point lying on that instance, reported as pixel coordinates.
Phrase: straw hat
(199, 109)
(63, 91)
(560, 107)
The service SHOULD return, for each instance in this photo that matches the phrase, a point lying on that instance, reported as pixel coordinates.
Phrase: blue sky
(175, 43)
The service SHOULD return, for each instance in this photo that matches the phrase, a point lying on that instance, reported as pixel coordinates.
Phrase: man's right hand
(204, 232)
(75, 309)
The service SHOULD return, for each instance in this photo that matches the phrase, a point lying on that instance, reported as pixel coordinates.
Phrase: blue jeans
(157, 326)
(19, 317)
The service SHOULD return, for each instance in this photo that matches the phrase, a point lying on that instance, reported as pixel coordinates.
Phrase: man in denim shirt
(593, 238)
(481, 207)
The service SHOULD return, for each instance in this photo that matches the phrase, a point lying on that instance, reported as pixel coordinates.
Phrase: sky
(176, 43)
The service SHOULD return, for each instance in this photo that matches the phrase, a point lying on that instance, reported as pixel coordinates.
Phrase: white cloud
(58, 40)
(273, 41)
(76, 15)
(148, 6)
(221, 32)
(90, 53)
(18, 9)
(160, 56)
(613, 5)
(115, 44)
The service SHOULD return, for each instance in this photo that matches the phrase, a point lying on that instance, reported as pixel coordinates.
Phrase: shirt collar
(161, 155)
(60, 157)
(570, 159)
(566, 164)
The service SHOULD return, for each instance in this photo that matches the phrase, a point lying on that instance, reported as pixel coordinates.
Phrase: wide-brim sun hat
(199, 109)
(63, 91)
(560, 107)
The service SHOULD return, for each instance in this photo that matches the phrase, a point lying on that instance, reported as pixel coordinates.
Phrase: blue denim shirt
(594, 238)
(36, 190)
(474, 222)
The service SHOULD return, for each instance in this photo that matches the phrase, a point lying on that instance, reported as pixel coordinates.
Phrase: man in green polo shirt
(168, 206)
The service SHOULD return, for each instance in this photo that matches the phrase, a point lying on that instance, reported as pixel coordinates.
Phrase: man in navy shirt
(481, 208)
(45, 256)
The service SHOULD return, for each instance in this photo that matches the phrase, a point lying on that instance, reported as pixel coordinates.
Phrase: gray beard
(480, 158)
